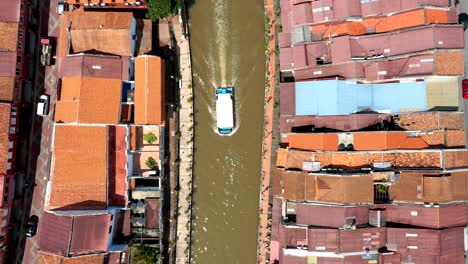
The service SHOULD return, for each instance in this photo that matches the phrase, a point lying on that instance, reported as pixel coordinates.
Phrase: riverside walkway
(264, 205)
(184, 214)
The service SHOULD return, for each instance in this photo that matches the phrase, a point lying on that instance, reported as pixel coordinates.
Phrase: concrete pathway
(264, 224)
(185, 146)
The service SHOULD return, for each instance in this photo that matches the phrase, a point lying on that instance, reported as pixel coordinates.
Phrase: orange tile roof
(328, 188)
(79, 174)
(430, 120)
(89, 100)
(378, 140)
(384, 23)
(319, 141)
(5, 112)
(9, 33)
(437, 158)
(149, 90)
(7, 85)
(430, 186)
(45, 258)
(107, 32)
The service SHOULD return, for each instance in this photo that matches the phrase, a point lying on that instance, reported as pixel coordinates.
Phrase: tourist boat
(225, 110)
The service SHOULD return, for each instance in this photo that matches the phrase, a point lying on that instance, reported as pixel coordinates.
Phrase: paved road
(463, 7)
(42, 134)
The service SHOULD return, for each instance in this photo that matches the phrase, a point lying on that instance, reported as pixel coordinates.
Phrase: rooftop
(430, 186)
(79, 167)
(10, 11)
(89, 100)
(5, 112)
(69, 235)
(436, 158)
(103, 32)
(349, 189)
(96, 66)
(9, 31)
(150, 98)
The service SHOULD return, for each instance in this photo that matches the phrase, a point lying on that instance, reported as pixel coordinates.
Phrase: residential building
(99, 4)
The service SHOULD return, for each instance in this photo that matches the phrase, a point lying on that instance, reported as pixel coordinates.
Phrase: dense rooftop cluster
(107, 149)
(369, 168)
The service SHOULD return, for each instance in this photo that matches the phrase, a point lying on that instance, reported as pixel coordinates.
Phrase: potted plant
(149, 138)
(151, 163)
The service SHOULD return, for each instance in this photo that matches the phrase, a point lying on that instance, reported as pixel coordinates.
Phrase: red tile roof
(117, 160)
(79, 174)
(89, 100)
(69, 235)
(150, 87)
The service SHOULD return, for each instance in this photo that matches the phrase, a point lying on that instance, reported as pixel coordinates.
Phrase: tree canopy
(162, 8)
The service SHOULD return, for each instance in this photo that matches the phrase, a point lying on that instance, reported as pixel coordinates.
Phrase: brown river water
(227, 41)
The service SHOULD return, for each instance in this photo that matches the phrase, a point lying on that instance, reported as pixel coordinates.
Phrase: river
(227, 41)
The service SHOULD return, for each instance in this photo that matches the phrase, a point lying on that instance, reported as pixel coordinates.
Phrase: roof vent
(101, 26)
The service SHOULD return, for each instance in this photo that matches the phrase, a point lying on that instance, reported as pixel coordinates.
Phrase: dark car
(463, 19)
(31, 226)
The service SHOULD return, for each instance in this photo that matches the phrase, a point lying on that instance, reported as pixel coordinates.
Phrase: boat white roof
(224, 111)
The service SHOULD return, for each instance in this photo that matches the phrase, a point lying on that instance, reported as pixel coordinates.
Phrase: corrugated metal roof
(351, 189)
(430, 186)
(331, 216)
(54, 233)
(149, 90)
(87, 65)
(442, 216)
(152, 208)
(90, 234)
(334, 97)
(10, 11)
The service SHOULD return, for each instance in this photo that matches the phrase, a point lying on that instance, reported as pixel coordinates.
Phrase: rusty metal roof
(152, 208)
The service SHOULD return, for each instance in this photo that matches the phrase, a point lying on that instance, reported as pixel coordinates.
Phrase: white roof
(224, 111)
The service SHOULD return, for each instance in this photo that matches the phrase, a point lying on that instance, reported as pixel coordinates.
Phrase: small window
(5, 198)
(110, 229)
(7, 179)
(6, 190)
(18, 72)
(20, 45)
(20, 33)
(18, 59)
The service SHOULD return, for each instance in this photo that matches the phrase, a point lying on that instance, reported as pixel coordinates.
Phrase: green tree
(162, 8)
(145, 255)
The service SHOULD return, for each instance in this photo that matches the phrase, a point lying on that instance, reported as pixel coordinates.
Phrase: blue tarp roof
(333, 97)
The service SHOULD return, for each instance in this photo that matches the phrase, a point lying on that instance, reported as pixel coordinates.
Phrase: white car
(61, 7)
(43, 105)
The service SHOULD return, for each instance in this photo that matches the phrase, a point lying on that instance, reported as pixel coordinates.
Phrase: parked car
(43, 105)
(61, 7)
(463, 19)
(47, 51)
(465, 89)
(31, 226)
